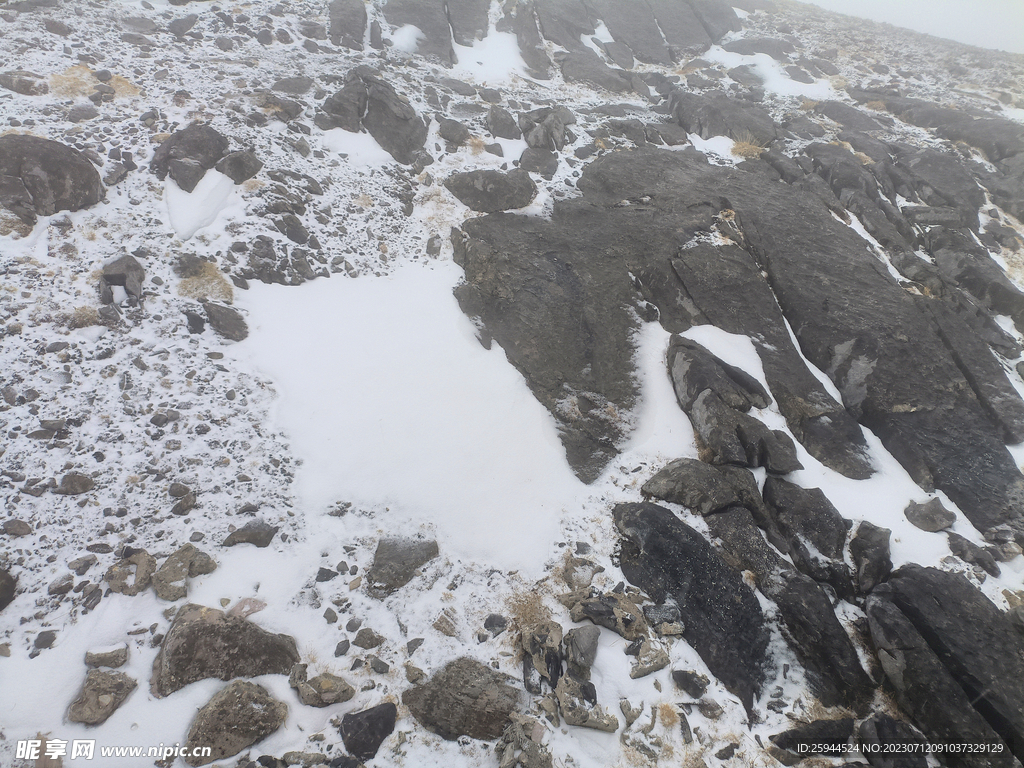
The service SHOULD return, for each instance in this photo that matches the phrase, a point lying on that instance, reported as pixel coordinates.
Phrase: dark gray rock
(206, 643)
(238, 716)
(25, 83)
(925, 689)
(8, 586)
(693, 683)
(452, 131)
(344, 109)
(257, 532)
(348, 23)
(832, 735)
(521, 19)
(100, 696)
(777, 48)
(705, 488)
(720, 114)
(545, 128)
(226, 321)
(634, 25)
(178, 27)
(869, 550)
(815, 530)
(74, 484)
(492, 191)
(392, 121)
(694, 370)
(465, 698)
(726, 286)
(542, 161)
(16, 528)
(581, 650)
(723, 621)
(717, 16)
(563, 21)
(430, 18)
(239, 166)
(363, 732)
(931, 516)
(585, 66)
(880, 731)
(395, 562)
(197, 148)
(39, 177)
(501, 124)
(971, 553)
(126, 272)
(468, 19)
(680, 26)
(848, 116)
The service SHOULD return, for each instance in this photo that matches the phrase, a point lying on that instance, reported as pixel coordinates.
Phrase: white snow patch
(740, 12)
(407, 38)
(718, 147)
(775, 77)
(361, 149)
(189, 212)
(495, 60)
(389, 399)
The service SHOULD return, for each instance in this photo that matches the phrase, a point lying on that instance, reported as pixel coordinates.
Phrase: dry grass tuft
(208, 283)
(11, 224)
(476, 144)
(747, 146)
(877, 105)
(668, 715)
(808, 104)
(527, 610)
(82, 317)
(74, 81)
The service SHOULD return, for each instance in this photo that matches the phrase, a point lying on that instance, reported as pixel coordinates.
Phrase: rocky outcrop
(237, 717)
(465, 698)
(206, 643)
(8, 586)
(347, 23)
(188, 154)
(430, 18)
(723, 621)
(39, 177)
(138, 566)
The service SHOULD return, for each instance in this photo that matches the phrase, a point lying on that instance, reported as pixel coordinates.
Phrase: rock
(542, 161)
(774, 47)
(239, 166)
(169, 580)
(74, 483)
(814, 529)
(139, 564)
(367, 638)
(126, 272)
(650, 658)
(184, 505)
(717, 16)
(563, 21)
(694, 370)
(581, 650)
(848, 116)
(61, 585)
(971, 553)
(719, 114)
(465, 698)
(492, 191)
(925, 689)
(634, 26)
(257, 532)
(101, 694)
(39, 177)
(178, 27)
(206, 643)
(545, 128)
(188, 154)
(869, 550)
(667, 559)
(693, 683)
(348, 23)
(683, 31)
(430, 18)
(520, 745)
(468, 19)
(80, 113)
(238, 716)
(495, 624)
(113, 658)
(881, 729)
(320, 691)
(391, 120)
(363, 732)
(585, 66)
(16, 528)
(452, 131)
(25, 83)
(577, 701)
(226, 321)
(542, 659)
(612, 610)
(831, 736)
(8, 586)
(501, 124)
(974, 640)
(930, 516)
(395, 562)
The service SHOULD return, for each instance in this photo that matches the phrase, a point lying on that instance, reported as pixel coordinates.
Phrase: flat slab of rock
(395, 563)
(723, 620)
(207, 643)
(465, 698)
(236, 717)
(226, 321)
(101, 694)
(930, 516)
(257, 532)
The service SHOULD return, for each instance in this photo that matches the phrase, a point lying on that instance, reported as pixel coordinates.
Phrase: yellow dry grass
(747, 146)
(209, 283)
(73, 81)
(878, 106)
(11, 224)
(82, 317)
(527, 609)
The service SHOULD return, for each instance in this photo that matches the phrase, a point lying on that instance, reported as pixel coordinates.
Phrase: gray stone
(139, 566)
(430, 18)
(930, 516)
(581, 650)
(238, 716)
(971, 553)
(323, 690)
(501, 124)
(39, 177)
(257, 532)
(577, 701)
(395, 562)
(197, 148)
(693, 683)
(367, 638)
(465, 698)
(207, 643)
(239, 166)
(115, 658)
(491, 191)
(347, 23)
(25, 83)
(226, 321)
(169, 581)
(363, 732)
(869, 550)
(8, 586)
(126, 272)
(16, 528)
(100, 696)
(74, 483)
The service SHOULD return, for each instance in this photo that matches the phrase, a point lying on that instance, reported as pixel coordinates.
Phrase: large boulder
(723, 621)
(206, 643)
(975, 641)
(492, 191)
(8, 586)
(188, 154)
(680, 26)
(348, 23)
(39, 177)
(465, 698)
(101, 694)
(237, 717)
(925, 689)
(720, 114)
(430, 18)
(468, 19)
(633, 24)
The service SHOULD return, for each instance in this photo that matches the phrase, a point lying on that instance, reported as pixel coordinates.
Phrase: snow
(360, 149)
(432, 426)
(407, 38)
(493, 61)
(776, 80)
(188, 212)
(718, 148)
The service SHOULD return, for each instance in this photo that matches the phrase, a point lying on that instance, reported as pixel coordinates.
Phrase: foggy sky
(986, 23)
